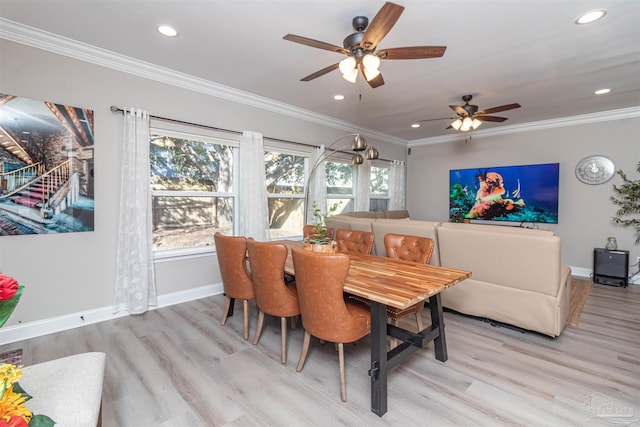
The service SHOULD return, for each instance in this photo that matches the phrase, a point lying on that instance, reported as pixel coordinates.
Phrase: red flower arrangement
(10, 293)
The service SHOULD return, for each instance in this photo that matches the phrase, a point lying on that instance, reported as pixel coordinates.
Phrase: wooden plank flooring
(177, 366)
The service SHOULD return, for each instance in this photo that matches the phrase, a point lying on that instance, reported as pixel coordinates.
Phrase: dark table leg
(437, 322)
(378, 371)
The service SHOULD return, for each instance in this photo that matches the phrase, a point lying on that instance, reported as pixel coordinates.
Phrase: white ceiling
(525, 51)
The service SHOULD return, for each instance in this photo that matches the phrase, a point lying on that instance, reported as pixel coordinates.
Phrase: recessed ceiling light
(415, 125)
(338, 97)
(591, 16)
(602, 91)
(168, 31)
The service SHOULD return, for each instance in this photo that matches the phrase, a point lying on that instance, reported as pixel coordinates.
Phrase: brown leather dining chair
(354, 241)
(408, 248)
(236, 280)
(273, 296)
(325, 314)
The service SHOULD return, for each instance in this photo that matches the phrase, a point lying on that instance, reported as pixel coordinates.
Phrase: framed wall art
(46, 166)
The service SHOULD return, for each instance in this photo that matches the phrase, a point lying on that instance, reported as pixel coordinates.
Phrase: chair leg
(246, 319)
(283, 327)
(225, 310)
(294, 323)
(419, 311)
(303, 352)
(259, 327)
(343, 382)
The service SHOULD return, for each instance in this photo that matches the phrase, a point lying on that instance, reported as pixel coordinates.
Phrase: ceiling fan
(470, 118)
(360, 47)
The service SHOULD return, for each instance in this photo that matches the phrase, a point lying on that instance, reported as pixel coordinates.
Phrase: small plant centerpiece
(319, 236)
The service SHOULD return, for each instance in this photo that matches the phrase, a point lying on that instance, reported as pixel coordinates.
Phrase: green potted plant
(628, 202)
(319, 236)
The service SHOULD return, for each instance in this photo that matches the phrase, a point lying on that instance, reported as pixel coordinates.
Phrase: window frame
(198, 251)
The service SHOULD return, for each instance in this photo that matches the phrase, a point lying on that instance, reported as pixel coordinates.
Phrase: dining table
(385, 281)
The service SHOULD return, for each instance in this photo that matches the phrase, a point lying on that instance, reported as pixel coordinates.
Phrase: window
(285, 192)
(340, 187)
(379, 189)
(192, 189)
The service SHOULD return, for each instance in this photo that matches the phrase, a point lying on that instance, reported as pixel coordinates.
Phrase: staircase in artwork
(46, 192)
(37, 193)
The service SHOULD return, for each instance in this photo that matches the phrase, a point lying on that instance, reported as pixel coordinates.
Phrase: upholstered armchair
(325, 314)
(273, 296)
(236, 280)
(354, 241)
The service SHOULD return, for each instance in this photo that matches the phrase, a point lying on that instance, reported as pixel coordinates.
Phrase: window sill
(182, 254)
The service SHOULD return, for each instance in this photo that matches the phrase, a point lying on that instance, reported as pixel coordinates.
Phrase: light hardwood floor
(177, 366)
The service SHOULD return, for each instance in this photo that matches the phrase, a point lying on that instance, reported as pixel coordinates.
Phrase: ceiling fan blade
(459, 110)
(491, 118)
(376, 82)
(433, 120)
(412, 52)
(314, 43)
(320, 72)
(499, 109)
(380, 25)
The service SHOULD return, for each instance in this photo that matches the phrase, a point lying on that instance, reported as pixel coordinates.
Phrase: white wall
(74, 273)
(584, 210)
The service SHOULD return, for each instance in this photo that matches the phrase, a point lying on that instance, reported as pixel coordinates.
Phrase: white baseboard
(581, 272)
(74, 320)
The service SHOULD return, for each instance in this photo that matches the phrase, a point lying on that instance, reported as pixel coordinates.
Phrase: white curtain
(397, 185)
(317, 188)
(135, 288)
(363, 186)
(252, 212)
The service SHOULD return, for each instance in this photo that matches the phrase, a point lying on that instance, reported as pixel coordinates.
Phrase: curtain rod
(119, 110)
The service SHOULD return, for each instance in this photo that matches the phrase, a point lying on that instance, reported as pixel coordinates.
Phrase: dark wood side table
(611, 267)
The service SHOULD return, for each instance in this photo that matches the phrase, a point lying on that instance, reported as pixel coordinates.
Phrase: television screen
(527, 193)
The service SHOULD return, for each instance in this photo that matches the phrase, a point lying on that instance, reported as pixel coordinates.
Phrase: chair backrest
(308, 231)
(232, 259)
(354, 241)
(320, 281)
(267, 270)
(409, 248)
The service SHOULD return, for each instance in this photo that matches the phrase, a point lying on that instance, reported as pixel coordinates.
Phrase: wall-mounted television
(525, 193)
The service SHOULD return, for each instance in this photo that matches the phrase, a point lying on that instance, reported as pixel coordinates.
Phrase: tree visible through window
(285, 191)
(379, 187)
(192, 190)
(340, 187)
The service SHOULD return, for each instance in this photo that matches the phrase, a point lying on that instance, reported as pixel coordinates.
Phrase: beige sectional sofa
(517, 275)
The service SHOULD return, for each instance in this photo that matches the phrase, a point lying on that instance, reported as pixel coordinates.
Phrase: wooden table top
(389, 281)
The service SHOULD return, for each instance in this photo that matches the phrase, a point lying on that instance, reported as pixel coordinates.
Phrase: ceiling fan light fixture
(351, 76)
(475, 123)
(370, 73)
(370, 61)
(467, 122)
(347, 65)
(456, 124)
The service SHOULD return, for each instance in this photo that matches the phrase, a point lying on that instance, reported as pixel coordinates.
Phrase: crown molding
(24, 34)
(603, 116)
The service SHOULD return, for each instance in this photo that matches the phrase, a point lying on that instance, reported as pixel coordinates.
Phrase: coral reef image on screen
(526, 193)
